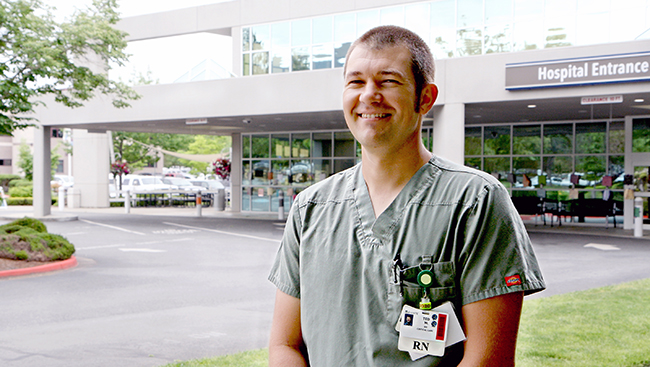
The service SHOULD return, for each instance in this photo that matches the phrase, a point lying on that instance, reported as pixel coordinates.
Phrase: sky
(164, 59)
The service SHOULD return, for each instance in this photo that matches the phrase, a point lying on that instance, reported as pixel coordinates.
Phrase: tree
(40, 56)
(202, 144)
(26, 161)
(138, 155)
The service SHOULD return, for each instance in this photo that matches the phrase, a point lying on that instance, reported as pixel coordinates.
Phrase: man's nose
(370, 94)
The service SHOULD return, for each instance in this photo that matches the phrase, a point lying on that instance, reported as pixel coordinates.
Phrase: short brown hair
(381, 37)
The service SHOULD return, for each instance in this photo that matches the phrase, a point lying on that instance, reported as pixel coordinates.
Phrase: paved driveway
(149, 290)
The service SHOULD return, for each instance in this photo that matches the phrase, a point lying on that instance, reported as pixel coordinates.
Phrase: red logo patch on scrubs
(513, 280)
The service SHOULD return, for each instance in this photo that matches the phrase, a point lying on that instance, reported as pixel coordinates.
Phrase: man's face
(379, 97)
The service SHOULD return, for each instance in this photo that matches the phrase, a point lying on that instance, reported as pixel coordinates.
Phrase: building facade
(544, 94)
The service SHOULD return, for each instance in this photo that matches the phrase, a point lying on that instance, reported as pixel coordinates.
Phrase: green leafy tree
(202, 144)
(40, 56)
(26, 161)
(128, 150)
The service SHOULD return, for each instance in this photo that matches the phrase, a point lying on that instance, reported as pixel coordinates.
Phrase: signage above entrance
(570, 72)
(602, 100)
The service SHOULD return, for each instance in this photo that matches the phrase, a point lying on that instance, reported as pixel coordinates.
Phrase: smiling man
(402, 229)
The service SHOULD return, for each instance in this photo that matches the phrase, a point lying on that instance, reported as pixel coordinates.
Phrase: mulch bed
(7, 264)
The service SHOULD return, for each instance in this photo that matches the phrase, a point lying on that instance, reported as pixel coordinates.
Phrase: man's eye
(355, 82)
(390, 81)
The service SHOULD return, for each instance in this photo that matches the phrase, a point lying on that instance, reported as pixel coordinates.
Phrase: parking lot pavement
(155, 286)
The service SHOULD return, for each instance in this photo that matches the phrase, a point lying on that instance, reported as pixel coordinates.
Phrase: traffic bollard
(281, 205)
(127, 202)
(638, 217)
(199, 203)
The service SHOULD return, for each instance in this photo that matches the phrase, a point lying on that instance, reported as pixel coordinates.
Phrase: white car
(63, 181)
(135, 183)
(178, 183)
(211, 185)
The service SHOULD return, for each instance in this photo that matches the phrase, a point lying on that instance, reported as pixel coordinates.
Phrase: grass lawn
(604, 327)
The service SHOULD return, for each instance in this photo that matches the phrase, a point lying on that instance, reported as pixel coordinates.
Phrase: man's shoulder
(451, 171)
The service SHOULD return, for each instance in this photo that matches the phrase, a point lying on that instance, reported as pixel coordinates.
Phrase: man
(345, 266)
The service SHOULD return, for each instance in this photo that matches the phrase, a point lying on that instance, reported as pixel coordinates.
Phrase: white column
(449, 132)
(235, 173)
(628, 205)
(91, 163)
(42, 197)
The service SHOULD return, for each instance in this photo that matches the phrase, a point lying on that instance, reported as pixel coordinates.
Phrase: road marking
(602, 247)
(98, 247)
(141, 250)
(113, 227)
(175, 231)
(224, 232)
(207, 335)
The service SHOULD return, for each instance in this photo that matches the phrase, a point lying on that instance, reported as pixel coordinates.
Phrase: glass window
(591, 169)
(260, 145)
(340, 50)
(558, 139)
(473, 141)
(616, 169)
(558, 170)
(443, 42)
(498, 39)
(593, 6)
(261, 173)
(322, 30)
(344, 145)
(499, 168)
(498, 11)
(367, 20)
(301, 32)
(301, 173)
(469, 42)
(246, 64)
(322, 56)
(322, 145)
(641, 135)
(280, 147)
(322, 169)
(470, 13)
(443, 14)
(246, 39)
(592, 29)
(496, 140)
(280, 60)
(300, 59)
(528, 166)
(344, 29)
(416, 18)
(392, 16)
(280, 173)
(617, 137)
(280, 35)
(246, 146)
(526, 140)
(246, 199)
(560, 33)
(527, 9)
(300, 145)
(260, 199)
(590, 137)
(261, 36)
(528, 35)
(473, 162)
(627, 24)
(343, 164)
(260, 63)
(275, 199)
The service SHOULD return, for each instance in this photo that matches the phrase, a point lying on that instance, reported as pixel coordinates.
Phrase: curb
(59, 265)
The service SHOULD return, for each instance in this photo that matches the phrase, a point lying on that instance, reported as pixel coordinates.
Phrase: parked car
(211, 185)
(143, 183)
(178, 183)
(62, 181)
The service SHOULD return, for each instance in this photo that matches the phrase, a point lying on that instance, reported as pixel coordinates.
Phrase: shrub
(27, 239)
(32, 223)
(20, 182)
(21, 191)
(5, 180)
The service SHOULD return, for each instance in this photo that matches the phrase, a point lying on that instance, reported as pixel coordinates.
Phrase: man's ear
(428, 98)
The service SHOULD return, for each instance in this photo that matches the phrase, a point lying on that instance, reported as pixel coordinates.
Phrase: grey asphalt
(162, 285)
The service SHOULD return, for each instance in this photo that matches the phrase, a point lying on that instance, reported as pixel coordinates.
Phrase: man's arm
(491, 327)
(286, 344)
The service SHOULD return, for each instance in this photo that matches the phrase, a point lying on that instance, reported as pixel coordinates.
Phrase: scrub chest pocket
(404, 288)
